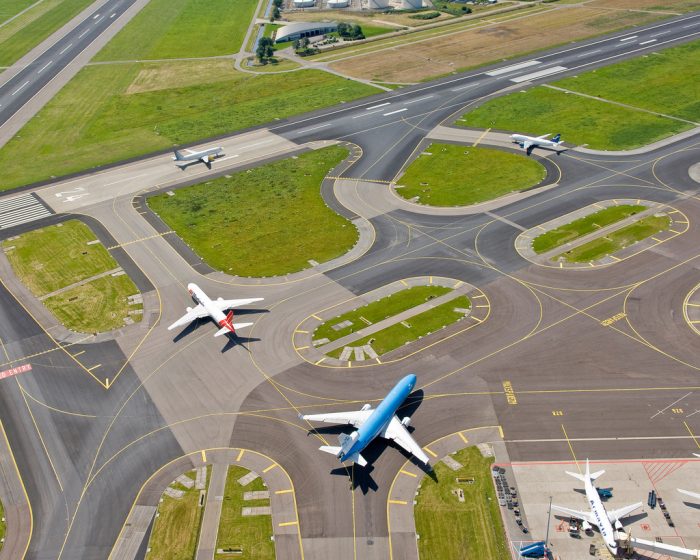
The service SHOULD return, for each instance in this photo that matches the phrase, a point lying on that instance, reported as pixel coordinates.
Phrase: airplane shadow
(629, 519)
(692, 505)
(249, 311)
(189, 329)
(235, 340)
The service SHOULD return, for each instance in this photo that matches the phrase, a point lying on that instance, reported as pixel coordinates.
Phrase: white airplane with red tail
(214, 309)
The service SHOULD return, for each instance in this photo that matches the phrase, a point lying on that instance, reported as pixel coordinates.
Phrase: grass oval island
(454, 175)
(266, 221)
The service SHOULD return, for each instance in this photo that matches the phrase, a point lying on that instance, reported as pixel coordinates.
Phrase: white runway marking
(49, 63)
(313, 128)
(513, 68)
(460, 88)
(21, 209)
(68, 47)
(114, 14)
(377, 106)
(589, 53)
(647, 42)
(367, 114)
(419, 99)
(83, 34)
(540, 74)
(394, 112)
(20, 88)
(628, 38)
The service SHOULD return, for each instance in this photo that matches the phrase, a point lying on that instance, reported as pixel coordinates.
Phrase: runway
(587, 362)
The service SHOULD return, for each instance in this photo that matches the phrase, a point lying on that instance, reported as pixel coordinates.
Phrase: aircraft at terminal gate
(381, 421)
(214, 309)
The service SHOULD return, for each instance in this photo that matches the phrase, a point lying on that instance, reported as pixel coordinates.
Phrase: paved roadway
(93, 420)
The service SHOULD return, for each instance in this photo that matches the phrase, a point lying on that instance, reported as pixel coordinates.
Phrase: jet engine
(586, 526)
(406, 422)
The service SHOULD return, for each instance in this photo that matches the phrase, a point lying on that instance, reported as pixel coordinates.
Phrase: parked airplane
(686, 492)
(602, 519)
(215, 310)
(182, 160)
(370, 423)
(529, 143)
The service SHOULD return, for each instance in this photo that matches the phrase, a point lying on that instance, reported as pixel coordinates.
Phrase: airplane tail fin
(332, 449)
(178, 155)
(338, 451)
(576, 476)
(557, 138)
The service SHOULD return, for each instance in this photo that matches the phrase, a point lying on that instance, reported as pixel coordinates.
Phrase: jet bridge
(630, 542)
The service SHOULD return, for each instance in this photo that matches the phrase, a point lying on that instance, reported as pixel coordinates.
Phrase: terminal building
(299, 30)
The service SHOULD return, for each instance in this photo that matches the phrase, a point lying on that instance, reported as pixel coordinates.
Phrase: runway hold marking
(670, 405)
(398, 502)
(288, 523)
(430, 452)
(464, 439)
(272, 466)
(240, 454)
(15, 370)
(510, 393)
(408, 473)
(287, 491)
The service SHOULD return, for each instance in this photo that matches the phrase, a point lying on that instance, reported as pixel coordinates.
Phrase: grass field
(579, 120)
(420, 325)
(182, 29)
(97, 119)
(3, 525)
(21, 35)
(100, 305)
(59, 256)
(453, 530)
(263, 222)
(176, 529)
(670, 79)
(378, 310)
(583, 226)
(613, 242)
(251, 534)
(451, 175)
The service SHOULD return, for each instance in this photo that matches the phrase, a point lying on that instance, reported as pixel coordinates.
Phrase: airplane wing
(544, 136)
(584, 515)
(691, 494)
(397, 431)
(224, 304)
(615, 514)
(529, 146)
(194, 313)
(356, 418)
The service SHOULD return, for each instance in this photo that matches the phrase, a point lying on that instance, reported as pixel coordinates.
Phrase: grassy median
(420, 325)
(250, 534)
(176, 529)
(378, 310)
(452, 175)
(669, 81)
(64, 257)
(266, 221)
(583, 226)
(454, 530)
(3, 526)
(617, 240)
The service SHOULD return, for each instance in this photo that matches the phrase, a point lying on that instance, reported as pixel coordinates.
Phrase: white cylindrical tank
(304, 3)
(338, 3)
(412, 4)
(378, 4)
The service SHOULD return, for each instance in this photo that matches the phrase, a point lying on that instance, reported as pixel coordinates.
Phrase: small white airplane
(686, 492)
(529, 143)
(370, 423)
(182, 160)
(214, 309)
(598, 516)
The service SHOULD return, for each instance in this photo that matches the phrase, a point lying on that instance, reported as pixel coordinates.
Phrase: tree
(275, 14)
(265, 50)
(277, 3)
(344, 29)
(356, 32)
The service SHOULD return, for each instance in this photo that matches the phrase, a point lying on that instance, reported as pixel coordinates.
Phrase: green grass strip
(57, 256)
(422, 324)
(176, 529)
(617, 240)
(3, 526)
(182, 29)
(266, 221)
(251, 534)
(9, 8)
(454, 530)
(459, 175)
(378, 310)
(583, 226)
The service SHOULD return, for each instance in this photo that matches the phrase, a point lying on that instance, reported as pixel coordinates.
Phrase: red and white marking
(14, 371)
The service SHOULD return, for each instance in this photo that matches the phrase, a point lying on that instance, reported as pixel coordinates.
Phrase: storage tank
(412, 4)
(378, 4)
(338, 3)
(304, 3)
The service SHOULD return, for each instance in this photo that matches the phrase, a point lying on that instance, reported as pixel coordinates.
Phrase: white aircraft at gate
(214, 309)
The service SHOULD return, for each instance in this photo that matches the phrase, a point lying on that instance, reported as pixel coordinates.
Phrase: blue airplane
(370, 423)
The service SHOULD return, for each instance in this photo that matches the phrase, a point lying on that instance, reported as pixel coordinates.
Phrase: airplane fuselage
(601, 516)
(381, 416)
(522, 139)
(194, 156)
(199, 297)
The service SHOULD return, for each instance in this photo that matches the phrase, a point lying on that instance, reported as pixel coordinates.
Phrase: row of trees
(276, 5)
(350, 32)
